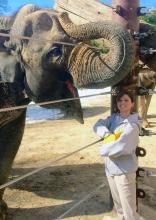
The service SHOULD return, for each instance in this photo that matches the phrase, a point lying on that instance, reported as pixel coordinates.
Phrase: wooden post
(126, 14)
(85, 11)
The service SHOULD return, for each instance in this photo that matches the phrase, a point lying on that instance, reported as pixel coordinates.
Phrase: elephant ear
(35, 26)
(148, 43)
(20, 27)
(6, 23)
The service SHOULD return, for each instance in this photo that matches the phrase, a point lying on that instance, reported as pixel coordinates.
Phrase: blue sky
(9, 6)
(145, 3)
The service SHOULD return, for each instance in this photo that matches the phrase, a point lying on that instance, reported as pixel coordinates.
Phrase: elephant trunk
(87, 65)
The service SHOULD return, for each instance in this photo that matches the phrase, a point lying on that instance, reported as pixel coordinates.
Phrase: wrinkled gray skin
(46, 70)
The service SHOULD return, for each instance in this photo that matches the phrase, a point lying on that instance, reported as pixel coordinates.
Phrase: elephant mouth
(72, 107)
(78, 112)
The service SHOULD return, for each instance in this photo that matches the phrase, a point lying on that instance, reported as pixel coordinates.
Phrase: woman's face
(125, 104)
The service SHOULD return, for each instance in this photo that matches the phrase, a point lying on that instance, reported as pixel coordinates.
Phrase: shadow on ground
(69, 183)
(93, 111)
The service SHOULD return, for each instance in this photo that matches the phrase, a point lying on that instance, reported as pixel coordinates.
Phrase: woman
(121, 137)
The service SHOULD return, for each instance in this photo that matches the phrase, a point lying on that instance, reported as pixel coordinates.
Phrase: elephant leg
(10, 139)
(143, 110)
(149, 97)
(3, 210)
(147, 104)
(148, 101)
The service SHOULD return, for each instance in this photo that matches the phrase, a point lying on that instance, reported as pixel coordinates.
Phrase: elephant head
(53, 69)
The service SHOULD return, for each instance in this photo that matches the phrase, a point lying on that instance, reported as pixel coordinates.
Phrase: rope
(81, 201)
(109, 6)
(51, 102)
(21, 37)
(72, 12)
(53, 163)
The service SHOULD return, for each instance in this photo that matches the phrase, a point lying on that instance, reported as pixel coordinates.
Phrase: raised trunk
(87, 65)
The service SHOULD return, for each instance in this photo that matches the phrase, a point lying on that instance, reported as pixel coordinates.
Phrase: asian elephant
(147, 79)
(147, 74)
(147, 44)
(44, 68)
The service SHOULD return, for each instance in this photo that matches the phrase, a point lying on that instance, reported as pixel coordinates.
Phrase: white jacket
(120, 154)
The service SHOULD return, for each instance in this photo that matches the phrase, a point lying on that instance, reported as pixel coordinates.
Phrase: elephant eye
(54, 52)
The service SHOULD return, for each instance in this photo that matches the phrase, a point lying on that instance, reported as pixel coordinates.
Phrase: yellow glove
(118, 134)
(112, 137)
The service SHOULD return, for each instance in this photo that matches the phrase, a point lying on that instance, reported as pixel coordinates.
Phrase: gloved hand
(118, 134)
(112, 137)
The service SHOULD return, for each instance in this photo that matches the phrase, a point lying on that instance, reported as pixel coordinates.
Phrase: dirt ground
(48, 194)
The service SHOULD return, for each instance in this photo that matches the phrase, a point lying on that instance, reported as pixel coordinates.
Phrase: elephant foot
(3, 210)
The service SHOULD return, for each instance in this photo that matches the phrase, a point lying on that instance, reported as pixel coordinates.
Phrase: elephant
(148, 42)
(46, 57)
(147, 79)
(147, 74)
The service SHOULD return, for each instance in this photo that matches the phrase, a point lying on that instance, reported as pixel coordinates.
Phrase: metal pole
(126, 14)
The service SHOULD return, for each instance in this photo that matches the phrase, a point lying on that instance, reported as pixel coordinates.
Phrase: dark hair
(130, 95)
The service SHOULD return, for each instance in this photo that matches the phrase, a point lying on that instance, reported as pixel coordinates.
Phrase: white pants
(123, 189)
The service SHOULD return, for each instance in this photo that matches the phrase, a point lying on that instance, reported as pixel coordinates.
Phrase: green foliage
(100, 45)
(149, 18)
